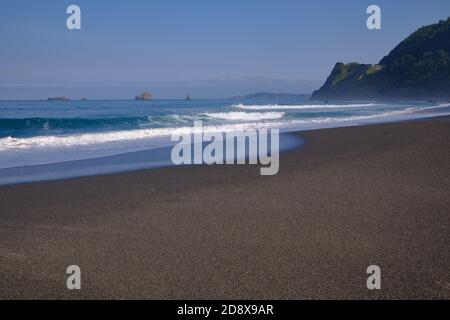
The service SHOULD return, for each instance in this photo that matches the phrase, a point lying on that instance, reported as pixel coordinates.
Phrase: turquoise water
(36, 133)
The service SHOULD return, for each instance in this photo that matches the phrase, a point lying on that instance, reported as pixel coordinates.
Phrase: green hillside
(419, 67)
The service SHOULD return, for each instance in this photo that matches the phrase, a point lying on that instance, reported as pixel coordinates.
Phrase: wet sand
(350, 198)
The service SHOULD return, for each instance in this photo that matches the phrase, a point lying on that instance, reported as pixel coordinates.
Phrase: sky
(207, 48)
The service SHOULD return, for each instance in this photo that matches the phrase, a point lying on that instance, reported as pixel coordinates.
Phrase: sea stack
(144, 96)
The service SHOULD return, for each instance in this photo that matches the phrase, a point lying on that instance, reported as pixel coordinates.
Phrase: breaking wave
(85, 139)
(301, 107)
(246, 116)
(11, 143)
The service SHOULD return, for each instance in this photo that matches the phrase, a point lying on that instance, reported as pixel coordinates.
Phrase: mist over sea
(54, 134)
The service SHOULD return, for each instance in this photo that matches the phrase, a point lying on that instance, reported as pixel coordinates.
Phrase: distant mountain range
(419, 67)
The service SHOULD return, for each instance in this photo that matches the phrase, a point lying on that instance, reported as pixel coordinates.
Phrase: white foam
(246, 116)
(300, 107)
(115, 137)
(88, 139)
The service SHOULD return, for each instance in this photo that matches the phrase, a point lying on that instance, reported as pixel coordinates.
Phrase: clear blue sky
(173, 46)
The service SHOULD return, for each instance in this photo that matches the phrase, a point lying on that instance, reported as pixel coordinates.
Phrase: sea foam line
(246, 116)
(10, 143)
(84, 139)
(301, 107)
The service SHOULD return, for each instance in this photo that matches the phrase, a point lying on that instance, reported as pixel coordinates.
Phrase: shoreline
(349, 198)
(149, 159)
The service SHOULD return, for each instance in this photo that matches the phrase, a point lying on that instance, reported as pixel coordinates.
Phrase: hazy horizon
(207, 89)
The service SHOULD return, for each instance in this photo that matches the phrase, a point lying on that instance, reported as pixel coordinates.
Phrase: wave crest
(246, 116)
(301, 107)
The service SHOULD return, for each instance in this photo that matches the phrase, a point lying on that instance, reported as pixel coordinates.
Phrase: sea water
(42, 140)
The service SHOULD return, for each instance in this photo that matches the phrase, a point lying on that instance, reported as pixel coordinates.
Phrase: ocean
(44, 140)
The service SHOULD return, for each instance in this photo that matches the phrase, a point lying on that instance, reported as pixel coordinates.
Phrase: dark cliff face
(419, 67)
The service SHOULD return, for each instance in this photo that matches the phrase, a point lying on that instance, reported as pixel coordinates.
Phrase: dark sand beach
(350, 198)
